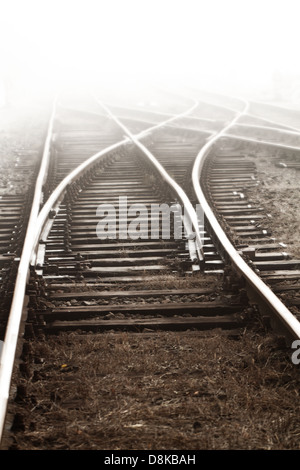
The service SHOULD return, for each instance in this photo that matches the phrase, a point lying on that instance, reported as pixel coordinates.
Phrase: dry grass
(168, 390)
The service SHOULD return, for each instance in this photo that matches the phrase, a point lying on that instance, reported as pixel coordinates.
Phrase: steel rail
(267, 120)
(206, 100)
(268, 128)
(152, 124)
(256, 116)
(145, 132)
(172, 126)
(191, 222)
(14, 322)
(274, 123)
(263, 142)
(274, 304)
(287, 129)
(161, 114)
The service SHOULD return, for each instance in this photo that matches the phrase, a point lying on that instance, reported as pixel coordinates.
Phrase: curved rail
(274, 123)
(287, 130)
(268, 128)
(290, 322)
(281, 108)
(263, 142)
(58, 193)
(257, 116)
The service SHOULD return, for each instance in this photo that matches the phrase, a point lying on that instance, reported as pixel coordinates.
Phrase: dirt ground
(180, 391)
(279, 193)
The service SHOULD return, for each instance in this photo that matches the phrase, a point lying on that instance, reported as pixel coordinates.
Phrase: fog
(240, 47)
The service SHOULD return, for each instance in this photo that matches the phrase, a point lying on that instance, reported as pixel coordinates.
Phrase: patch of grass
(160, 391)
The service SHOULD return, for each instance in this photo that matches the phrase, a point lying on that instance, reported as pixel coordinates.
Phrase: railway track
(92, 265)
(74, 252)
